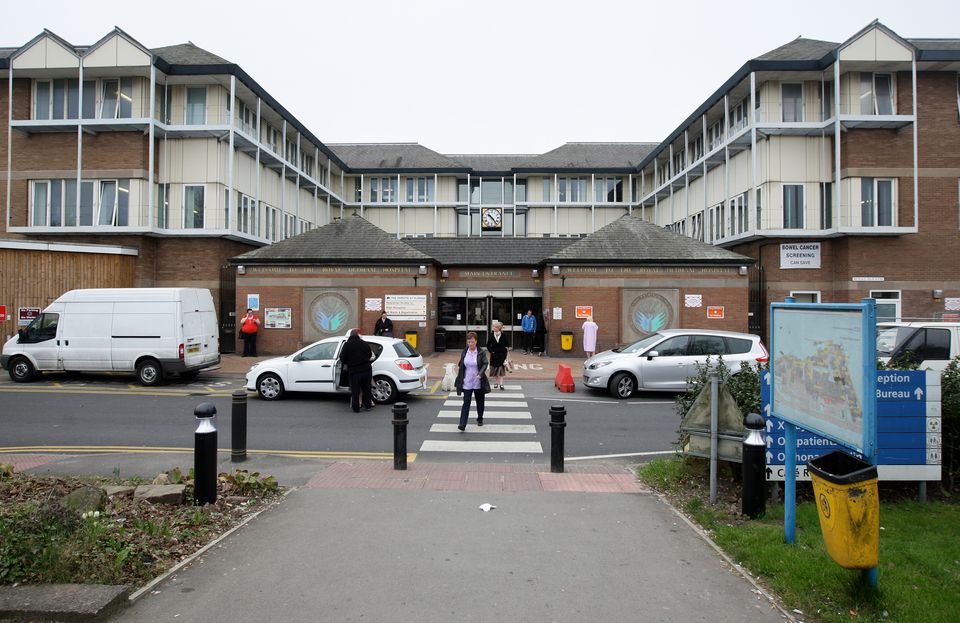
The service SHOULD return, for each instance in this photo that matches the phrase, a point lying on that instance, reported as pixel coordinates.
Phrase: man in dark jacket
(357, 356)
(384, 326)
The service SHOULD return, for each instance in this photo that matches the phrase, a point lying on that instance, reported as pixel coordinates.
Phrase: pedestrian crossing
(502, 431)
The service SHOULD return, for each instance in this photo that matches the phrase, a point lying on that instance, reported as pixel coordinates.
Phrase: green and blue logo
(330, 313)
(651, 312)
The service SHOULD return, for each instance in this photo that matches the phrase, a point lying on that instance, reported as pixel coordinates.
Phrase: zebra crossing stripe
(524, 447)
(491, 395)
(490, 403)
(486, 429)
(489, 414)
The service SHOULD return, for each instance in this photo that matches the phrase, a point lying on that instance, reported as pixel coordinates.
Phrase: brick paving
(23, 462)
(477, 477)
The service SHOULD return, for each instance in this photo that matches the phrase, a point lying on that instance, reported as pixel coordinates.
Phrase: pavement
(356, 540)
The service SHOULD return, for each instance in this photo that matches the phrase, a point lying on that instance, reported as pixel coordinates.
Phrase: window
(270, 223)
(60, 99)
(463, 193)
(737, 346)
(193, 206)
(164, 104)
(738, 116)
(793, 206)
(696, 149)
(358, 190)
(758, 206)
(114, 202)
(715, 135)
(572, 189)
(609, 189)
(196, 113)
(708, 345)
(826, 100)
(738, 214)
(792, 97)
(924, 345)
(806, 296)
(41, 195)
(876, 202)
(163, 205)
(117, 100)
(547, 189)
(673, 347)
(419, 189)
(876, 94)
(521, 191)
(324, 351)
(696, 226)
(272, 138)
(246, 118)
(306, 163)
(826, 205)
(491, 191)
(888, 304)
(292, 152)
(54, 203)
(247, 217)
(678, 162)
(383, 189)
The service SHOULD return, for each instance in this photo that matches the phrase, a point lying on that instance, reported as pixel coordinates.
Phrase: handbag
(484, 385)
(508, 365)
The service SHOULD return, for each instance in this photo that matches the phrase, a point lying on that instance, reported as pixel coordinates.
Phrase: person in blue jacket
(529, 326)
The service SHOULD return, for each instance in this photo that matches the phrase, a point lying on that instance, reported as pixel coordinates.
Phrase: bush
(744, 386)
(950, 424)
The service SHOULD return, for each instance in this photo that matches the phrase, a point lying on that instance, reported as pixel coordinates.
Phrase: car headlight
(598, 364)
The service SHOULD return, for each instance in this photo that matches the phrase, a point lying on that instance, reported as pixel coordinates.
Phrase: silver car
(663, 361)
(397, 369)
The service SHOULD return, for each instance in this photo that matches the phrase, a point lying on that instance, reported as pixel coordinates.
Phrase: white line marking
(617, 456)
(596, 402)
(489, 428)
(489, 403)
(493, 394)
(652, 402)
(488, 414)
(482, 446)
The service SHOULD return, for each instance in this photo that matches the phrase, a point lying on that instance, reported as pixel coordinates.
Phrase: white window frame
(163, 206)
(115, 209)
(895, 302)
(188, 106)
(33, 203)
(203, 207)
(803, 205)
(802, 101)
(876, 202)
(816, 294)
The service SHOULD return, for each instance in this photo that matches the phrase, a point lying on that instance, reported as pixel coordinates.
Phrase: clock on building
(491, 219)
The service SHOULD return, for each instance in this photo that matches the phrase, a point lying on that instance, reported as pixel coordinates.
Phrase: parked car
(663, 361)
(150, 332)
(397, 369)
(931, 344)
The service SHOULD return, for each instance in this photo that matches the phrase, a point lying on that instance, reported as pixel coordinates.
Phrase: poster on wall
(648, 311)
(277, 318)
(715, 312)
(406, 306)
(800, 255)
(253, 302)
(584, 311)
(26, 315)
(693, 300)
(329, 312)
(373, 305)
(558, 313)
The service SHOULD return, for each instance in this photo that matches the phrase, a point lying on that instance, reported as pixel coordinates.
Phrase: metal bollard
(400, 435)
(557, 424)
(205, 454)
(238, 427)
(754, 467)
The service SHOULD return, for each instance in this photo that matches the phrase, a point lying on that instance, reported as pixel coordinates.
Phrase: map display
(818, 372)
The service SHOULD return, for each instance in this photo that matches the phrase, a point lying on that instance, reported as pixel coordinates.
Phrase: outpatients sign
(800, 255)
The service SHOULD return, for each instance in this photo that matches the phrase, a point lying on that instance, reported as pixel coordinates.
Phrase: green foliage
(242, 482)
(744, 386)
(950, 424)
(6, 471)
(667, 474)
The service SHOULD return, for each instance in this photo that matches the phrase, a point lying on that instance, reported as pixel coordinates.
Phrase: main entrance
(476, 310)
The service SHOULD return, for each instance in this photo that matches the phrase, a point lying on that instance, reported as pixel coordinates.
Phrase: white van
(931, 344)
(150, 331)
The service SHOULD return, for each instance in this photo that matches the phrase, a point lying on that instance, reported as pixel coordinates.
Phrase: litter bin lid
(841, 468)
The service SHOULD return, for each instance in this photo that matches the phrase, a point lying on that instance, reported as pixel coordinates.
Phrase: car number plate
(193, 349)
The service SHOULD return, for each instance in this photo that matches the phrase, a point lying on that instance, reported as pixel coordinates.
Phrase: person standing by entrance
(498, 345)
(249, 325)
(590, 329)
(472, 380)
(529, 326)
(384, 326)
(357, 355)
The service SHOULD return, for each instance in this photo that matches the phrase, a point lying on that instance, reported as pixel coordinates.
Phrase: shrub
(744, 386)
(950, 424)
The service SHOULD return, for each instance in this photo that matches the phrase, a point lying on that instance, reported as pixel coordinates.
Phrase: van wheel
(149, 372)
(384, 391)
(270, 387)
(622, 385)
(21, 370)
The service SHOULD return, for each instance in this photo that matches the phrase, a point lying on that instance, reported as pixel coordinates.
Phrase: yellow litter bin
(566, 340)
(411, 337)
(845, 489)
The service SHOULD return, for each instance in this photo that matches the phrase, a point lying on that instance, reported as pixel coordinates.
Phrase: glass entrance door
(463, 311)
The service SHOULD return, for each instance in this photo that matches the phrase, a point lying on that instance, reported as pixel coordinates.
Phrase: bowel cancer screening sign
(824, 371)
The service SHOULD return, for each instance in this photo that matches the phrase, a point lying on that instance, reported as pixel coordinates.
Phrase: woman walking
(497, 346)
(472, 380)
(590, 329)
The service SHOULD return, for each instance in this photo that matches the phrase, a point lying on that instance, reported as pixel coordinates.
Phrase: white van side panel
(84, 333)
(146, 328)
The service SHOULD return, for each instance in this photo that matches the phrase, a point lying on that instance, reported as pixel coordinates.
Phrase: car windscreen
(404, 349)
(890, 338)
(641, 345)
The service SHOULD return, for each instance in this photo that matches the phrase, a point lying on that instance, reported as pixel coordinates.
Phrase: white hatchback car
(663, 361)
(397, 369)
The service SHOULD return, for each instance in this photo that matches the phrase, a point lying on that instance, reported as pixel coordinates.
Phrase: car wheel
(270, 387)
(149, 372)
(21, 370)
(384, 391)
(622, 385)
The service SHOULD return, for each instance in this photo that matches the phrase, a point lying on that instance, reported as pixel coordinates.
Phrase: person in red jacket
(249, 325)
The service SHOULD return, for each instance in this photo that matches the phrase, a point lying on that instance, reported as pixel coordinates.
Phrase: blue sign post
(823, 378)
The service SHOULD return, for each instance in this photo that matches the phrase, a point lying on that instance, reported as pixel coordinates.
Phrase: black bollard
(205, 454)
(400, 435)
(754, 467)
(238, 427)
(557, 424)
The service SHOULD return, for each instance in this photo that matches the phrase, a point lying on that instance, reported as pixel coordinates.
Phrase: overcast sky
(487, 77)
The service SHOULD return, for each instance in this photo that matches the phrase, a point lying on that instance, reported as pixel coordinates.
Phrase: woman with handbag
(472, 380)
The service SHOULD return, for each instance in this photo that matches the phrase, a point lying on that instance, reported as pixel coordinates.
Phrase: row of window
(57, 203)
(61, 99)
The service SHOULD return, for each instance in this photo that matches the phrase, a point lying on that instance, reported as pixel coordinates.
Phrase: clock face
(491, 218)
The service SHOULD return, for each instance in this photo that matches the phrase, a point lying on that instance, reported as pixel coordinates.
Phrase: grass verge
(919, 568)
